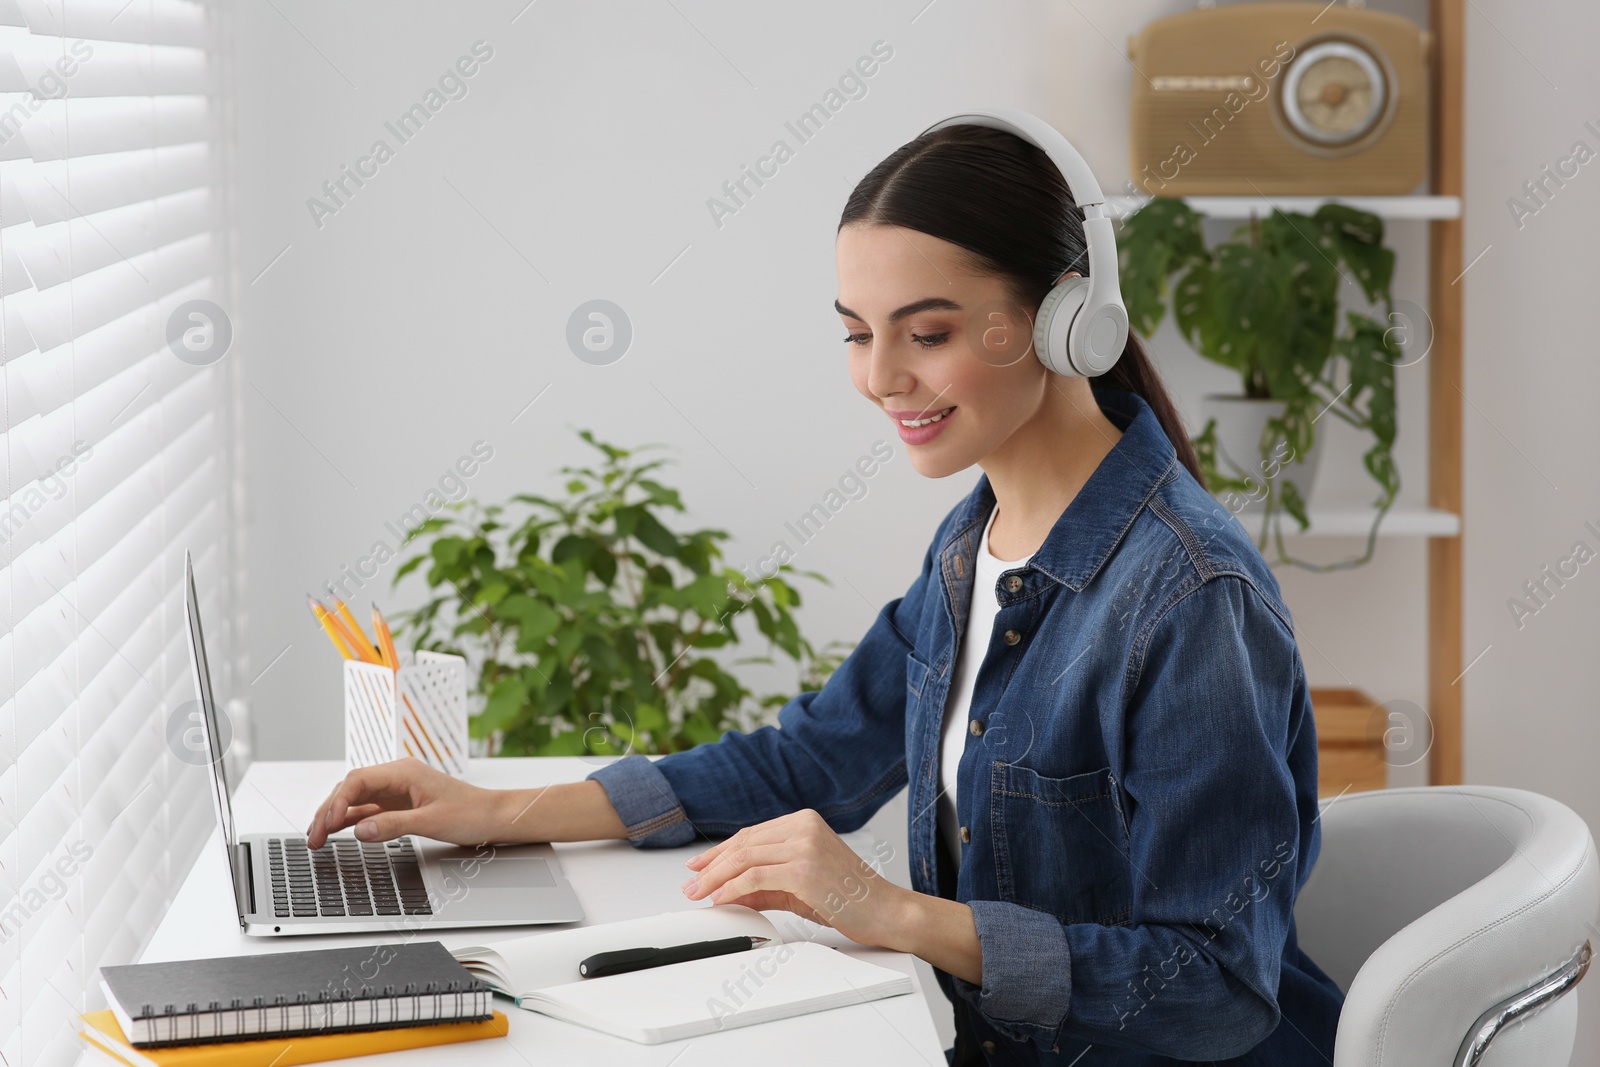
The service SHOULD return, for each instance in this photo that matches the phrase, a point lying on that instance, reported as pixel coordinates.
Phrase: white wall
(429, 310)
(432, 308)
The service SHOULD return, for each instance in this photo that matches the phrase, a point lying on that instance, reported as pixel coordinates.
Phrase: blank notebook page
(703, 996)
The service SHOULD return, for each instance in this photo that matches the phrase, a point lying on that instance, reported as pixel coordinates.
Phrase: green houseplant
(1265, 304)
(594, 627)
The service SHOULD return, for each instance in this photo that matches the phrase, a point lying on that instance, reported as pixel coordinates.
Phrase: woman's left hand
(797, 863)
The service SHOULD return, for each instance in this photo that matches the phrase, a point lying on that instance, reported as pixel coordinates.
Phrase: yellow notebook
(103, 1032)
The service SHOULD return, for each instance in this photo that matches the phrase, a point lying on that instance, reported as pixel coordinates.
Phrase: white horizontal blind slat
(113, 68)
(132, 285)
(114, 456)
(102, 182)
(43, 383)
(164, 22)
(102, 125)
(56, 253)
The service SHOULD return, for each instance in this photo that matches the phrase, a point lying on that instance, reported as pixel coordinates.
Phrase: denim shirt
(1138, 792)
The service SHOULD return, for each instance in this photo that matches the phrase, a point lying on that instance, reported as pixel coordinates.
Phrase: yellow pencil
(327, 624)
(380, 626)
(349, 620)
(360, 648)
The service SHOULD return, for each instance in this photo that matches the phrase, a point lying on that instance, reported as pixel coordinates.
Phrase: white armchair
(1455, 918)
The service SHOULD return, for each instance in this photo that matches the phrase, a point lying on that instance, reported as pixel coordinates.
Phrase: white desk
(613, 881)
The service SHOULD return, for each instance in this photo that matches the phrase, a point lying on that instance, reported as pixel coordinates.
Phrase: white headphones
(1082, 324)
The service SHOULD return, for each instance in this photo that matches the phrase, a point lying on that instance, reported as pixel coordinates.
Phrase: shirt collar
(1083, 538)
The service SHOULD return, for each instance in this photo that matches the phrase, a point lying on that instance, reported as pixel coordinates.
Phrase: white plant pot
(1240, 422)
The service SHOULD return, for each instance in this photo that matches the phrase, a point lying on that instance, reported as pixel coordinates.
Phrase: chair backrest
(1429, 906)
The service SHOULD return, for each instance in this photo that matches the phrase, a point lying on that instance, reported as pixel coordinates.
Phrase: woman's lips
(932, 424)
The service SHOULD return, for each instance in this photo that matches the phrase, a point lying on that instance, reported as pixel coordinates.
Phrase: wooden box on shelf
(1350, 752)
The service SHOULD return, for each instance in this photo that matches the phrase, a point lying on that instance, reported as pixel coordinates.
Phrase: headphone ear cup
(1053, 327)
(1097, 339)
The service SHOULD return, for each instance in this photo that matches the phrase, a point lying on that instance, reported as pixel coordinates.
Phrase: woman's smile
(919, 427)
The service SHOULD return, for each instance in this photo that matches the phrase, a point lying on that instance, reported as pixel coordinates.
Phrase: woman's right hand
(406, 796)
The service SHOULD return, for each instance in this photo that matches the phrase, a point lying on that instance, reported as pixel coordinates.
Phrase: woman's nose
(887, 372)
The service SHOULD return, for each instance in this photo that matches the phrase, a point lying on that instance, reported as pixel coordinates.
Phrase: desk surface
(613, 881)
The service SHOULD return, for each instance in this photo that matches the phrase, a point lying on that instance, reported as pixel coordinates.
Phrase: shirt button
(990, 1047)
(1013, 583)
(976, 728)
(1012, 637)
(966, 835)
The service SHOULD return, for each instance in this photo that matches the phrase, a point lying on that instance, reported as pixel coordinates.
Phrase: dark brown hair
(1003, 201)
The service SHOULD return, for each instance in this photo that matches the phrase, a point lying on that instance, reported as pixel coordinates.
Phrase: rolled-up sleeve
(645, 802)
(1027, 968)
(1220, 831)
(839, 750)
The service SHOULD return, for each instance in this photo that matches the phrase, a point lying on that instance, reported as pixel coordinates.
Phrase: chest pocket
(1060, 844)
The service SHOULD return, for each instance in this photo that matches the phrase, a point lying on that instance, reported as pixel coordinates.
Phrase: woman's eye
(933, 340)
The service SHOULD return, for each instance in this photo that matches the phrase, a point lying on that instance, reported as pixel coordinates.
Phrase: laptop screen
(220, 792)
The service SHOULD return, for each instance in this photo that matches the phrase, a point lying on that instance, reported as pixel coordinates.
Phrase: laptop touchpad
(499, 872)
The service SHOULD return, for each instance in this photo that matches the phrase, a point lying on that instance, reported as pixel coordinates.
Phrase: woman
(1092, 688)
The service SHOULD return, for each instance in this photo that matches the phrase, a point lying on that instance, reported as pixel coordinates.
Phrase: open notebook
(540, 973)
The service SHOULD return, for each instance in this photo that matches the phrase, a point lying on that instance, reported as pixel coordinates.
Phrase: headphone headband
(1092, 339)
(1036, 131)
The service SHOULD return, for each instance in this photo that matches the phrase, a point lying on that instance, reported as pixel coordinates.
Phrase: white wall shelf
(1356, 521)
(1241, 207)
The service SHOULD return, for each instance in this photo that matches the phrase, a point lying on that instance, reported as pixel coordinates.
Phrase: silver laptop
(348, 886)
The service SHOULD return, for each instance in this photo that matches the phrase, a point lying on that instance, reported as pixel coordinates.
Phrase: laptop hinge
(244, 882)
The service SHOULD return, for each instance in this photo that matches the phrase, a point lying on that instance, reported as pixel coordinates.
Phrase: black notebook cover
(168, 994)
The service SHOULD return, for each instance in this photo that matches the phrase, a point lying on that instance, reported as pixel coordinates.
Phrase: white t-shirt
(974, 643)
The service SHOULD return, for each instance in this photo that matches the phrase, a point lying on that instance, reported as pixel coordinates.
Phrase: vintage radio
(1286, 98)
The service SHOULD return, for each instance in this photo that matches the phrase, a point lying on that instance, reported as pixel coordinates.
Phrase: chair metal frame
(1515, 1007)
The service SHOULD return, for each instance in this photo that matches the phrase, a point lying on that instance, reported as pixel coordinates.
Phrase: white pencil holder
(419, 710)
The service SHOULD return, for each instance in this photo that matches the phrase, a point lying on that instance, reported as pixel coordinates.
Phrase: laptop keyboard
(345, 877)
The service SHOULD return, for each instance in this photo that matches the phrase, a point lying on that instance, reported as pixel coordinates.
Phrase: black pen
(637, 959)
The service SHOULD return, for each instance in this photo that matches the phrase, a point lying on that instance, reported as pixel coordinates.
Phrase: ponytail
(1135, 373)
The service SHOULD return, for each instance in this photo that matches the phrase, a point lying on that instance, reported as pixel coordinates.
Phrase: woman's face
(931, 340)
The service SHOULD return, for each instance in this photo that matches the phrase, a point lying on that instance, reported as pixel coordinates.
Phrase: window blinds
(117, 456)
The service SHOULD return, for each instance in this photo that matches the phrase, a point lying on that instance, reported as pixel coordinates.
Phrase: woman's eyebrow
(931, 303)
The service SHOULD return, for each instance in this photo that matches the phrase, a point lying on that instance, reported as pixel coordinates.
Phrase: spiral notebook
(776, 981)
(281, 994)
